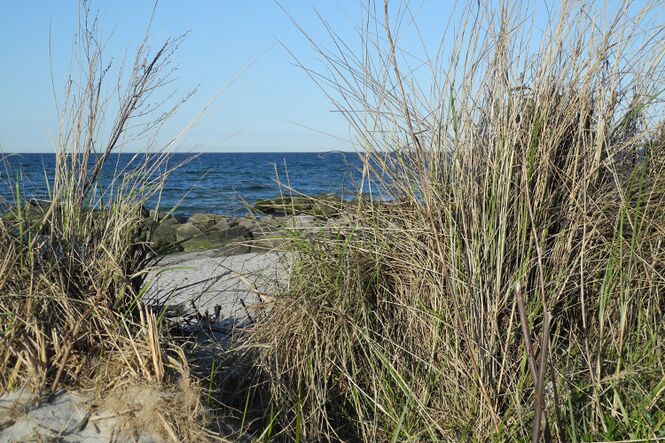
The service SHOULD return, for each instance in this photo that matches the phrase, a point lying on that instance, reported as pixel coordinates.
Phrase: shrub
(515, 288)
(72, 267)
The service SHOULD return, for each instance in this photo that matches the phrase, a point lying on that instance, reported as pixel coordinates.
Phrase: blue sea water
(220, 183)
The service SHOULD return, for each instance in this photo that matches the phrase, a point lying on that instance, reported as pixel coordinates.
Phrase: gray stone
(164, 235)
(228, 240)
(237, 235)
(70, 417)
(251, 224)
(342, 220)
(233, 247)
(269, 242)
(156, 214)
(187, 231)
(323, 206)
(223, 224)
(206, 219)
(232, 233)
(301, 222)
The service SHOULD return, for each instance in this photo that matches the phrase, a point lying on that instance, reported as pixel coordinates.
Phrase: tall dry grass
(515, 288)
(72, 268)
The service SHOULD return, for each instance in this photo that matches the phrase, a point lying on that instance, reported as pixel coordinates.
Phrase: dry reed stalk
(513, 289)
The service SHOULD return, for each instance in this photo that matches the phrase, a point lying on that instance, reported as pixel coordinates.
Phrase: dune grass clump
(515, 287)
(72, 267)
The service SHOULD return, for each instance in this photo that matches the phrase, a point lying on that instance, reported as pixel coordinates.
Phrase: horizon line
(198, 152)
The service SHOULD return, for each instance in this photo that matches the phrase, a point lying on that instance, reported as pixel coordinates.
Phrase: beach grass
(501, 276)
(72, 267)
(513, 290)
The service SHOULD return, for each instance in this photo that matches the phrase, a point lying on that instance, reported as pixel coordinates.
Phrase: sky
(272, 106)
(267, 109)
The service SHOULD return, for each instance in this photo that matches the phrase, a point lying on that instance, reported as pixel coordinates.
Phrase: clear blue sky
(261, 112)
(273, 107)
(269, 109)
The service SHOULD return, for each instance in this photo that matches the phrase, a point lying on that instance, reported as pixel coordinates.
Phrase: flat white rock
(203, 280)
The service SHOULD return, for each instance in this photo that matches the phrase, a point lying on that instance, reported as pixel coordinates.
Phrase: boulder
(227, 239)
(275, 234)
(187, 231)
(251, 224)
(206, 219)
(31, 213)
(265, 234)
(324, 210)
(282, 205)
(227, 235)
(324, 205)
(269, 241)
(300, 222)
(158, 215)
(221, 225)
(340, 221)
(164, 234)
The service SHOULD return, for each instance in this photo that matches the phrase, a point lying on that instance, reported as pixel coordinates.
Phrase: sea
(215, 183)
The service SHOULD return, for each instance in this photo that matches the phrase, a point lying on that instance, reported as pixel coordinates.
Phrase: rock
(161, 215)
(66, 417)
(275, 234)
(187, 231)
(324, 210)
(341, 220)
(300, 222)
(268, 242)
(164, 234)
(251, 224)
(266, 234)
(31, 213)
(226, 239)
(323, 205)
(228, 236)
(207, 219)
(232, 233)
(223, 224)
(156, 214)
(284, 205)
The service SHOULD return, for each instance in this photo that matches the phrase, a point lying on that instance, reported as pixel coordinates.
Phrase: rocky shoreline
(264, 230)
(267, 225)
(226, 235)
